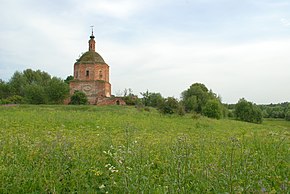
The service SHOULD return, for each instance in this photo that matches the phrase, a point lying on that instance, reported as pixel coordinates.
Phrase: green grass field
(114, 149)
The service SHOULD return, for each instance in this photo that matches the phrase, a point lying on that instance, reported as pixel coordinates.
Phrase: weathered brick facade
(91, 75)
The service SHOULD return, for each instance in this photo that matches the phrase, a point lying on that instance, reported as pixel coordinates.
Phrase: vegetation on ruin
(122, 149)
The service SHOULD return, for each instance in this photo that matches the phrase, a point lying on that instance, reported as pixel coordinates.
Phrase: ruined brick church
(91, 76)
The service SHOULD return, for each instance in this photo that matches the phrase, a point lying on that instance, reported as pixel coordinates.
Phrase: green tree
(287, 115)
(37, 87)
(247, 111)
(35, 94)
(4, 90)
(18, 84)
(68, 79)
(57, 90)
(287, 112)
(197, 97)
(169, 106)
(151, 99)
(191, 104)
(130, 98)
(78, 98)
(213, 109)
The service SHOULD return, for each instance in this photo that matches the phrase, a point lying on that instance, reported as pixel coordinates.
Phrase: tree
(213, 109)
(287, 116)
(78, 98)
(4, 89)
(38, 87)
(57, 90)
(169, 106)
(151, 99)
(287, 112)
(35, 94)
(130, 98)
(18, 84)
(200, 100)
(68, 79)
(191, 104)
(247, 111)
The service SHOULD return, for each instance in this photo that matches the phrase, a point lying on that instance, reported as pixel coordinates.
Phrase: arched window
(87, 73)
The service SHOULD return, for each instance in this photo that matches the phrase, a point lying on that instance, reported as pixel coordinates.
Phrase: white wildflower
(102, 186)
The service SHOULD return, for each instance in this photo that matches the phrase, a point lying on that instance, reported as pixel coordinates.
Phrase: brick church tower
(91, 75)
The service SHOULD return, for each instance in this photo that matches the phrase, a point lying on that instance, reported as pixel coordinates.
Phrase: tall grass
(86, 149)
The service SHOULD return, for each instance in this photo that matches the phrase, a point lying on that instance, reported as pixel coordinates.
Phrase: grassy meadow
(120, 149)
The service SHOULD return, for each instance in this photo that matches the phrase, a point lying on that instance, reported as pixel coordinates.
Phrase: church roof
(90, 57)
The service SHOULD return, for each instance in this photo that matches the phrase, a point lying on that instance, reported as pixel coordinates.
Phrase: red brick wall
(96, 72)
(93, 89)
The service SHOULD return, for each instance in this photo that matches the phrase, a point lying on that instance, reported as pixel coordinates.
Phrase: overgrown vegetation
(33, 87)
(78, 98)
(247, 111)
(89, 149)
(37, 87)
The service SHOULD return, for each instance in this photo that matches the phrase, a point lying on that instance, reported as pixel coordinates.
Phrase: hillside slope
(122, 150)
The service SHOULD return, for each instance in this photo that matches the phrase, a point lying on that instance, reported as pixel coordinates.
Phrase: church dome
(90, 57)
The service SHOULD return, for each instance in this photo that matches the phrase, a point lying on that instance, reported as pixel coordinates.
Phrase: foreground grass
(88, 149)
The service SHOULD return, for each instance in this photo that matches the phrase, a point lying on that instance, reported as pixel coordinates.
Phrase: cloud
(252, 70)
(162, 46)
(119, 9)
(285, 22)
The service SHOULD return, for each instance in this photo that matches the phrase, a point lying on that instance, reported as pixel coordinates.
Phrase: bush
(247, 111)
(78, 98)
(169, 106)
(15, 99)
(35, 94)
(151, 99)
(212, 109)
(195, 116)
(287, 115)
(131, 100)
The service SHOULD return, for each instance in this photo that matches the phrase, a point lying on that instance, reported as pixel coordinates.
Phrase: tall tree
(247, 111)
(195, 98)
(38, 87)
(151, 99)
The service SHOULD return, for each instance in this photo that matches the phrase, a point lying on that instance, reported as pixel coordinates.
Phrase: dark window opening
(87, 73)
(100, 75)
(118, 102)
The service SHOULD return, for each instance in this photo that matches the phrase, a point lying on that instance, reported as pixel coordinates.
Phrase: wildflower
(102, 186)
(97, 172)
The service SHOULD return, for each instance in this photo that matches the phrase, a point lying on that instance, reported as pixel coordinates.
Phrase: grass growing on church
(88, 149)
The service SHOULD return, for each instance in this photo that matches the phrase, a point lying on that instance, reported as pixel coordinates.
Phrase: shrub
(15, 99)
(169, 106)
(212, 109)
(195, 116)
(247, 111)
(287, 115)
(78, 98)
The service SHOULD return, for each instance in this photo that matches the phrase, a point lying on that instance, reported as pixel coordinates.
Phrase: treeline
(281, 110)
(33, 87)
(197, 100)
(38, 87)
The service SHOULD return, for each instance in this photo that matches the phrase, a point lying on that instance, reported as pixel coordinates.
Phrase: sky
(238, 49)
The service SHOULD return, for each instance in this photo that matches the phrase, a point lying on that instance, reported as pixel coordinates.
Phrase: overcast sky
(237, 48)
